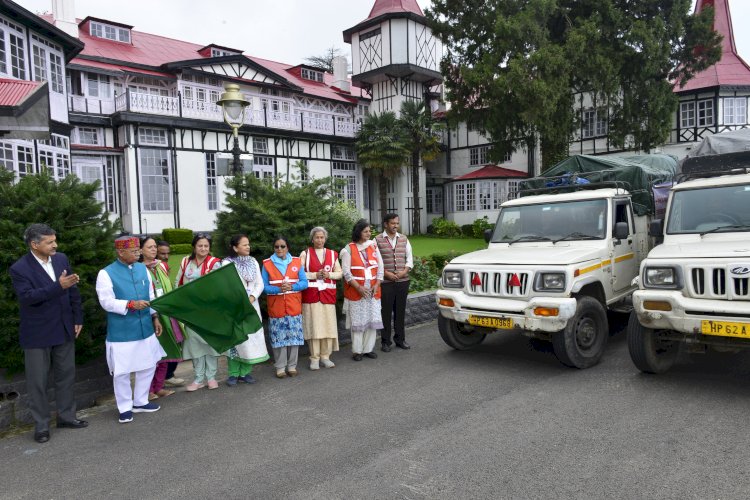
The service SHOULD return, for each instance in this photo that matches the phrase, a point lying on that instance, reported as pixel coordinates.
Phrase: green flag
(215, 306)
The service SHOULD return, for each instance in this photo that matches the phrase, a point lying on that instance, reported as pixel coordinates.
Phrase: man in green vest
(397, 262)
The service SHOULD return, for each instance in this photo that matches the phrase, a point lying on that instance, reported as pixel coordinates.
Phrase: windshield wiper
(529, 237)
(576, 236)
(721, 228)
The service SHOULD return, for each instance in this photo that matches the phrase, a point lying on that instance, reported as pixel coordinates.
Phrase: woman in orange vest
(319, 300)
(363, 273)
(284, 279)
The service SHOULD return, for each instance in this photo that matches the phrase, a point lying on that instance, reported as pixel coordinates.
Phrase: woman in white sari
(241, 358)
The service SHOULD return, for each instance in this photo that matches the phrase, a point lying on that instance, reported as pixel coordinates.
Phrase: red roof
(118, 68)
(491, 172)
(394, 6)
(731, 69)
(15, 92)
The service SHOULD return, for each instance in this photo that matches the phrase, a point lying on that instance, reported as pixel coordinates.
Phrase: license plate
(499, 323)
(725, 328)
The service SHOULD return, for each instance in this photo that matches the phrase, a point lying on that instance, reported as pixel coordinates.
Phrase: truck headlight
(550, 282)
(661, 277)
(453, 279)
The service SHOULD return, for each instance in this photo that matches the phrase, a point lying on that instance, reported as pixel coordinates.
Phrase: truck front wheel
(457, 335)
(649, 353)
(581, 344)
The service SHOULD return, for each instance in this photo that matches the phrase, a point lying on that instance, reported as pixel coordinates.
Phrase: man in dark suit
(51, 320)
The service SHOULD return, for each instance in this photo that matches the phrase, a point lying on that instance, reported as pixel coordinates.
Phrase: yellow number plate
(725, 329)
(500, 323)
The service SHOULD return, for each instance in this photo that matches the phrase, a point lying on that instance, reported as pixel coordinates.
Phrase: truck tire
(454, 335)
(581, 344)
(648, 352)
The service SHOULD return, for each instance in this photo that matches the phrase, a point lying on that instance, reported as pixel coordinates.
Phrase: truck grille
(499, 284)
(713, 283)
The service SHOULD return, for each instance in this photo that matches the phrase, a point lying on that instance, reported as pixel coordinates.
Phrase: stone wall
(92, 381)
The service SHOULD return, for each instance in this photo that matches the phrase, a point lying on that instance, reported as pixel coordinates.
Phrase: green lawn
(423, 246)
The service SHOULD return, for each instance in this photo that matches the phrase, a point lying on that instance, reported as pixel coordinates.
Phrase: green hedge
(181, 248)
(177, 236)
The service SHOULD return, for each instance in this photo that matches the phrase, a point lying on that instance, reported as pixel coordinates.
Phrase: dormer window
(109, 32)
(220, 53)
(311, 74)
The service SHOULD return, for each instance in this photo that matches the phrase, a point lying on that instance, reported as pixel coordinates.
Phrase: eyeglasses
(279, 246)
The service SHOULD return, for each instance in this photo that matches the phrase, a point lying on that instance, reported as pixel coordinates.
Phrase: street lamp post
(233, 104)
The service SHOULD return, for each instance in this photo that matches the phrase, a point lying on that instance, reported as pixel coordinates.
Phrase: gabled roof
(242, 68)
(115, 69)
(156, 55)
(731, 69)
(387, 9)
(491, 172)
(15, 92)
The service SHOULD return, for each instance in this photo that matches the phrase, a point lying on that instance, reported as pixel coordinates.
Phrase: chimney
(340, 67)
(64, 16)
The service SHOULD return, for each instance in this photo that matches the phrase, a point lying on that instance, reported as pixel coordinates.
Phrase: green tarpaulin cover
(215, 306)
(640, 172)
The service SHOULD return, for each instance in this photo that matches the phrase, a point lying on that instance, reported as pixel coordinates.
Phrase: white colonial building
(137, 111)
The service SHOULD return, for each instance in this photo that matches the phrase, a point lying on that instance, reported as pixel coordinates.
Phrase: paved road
(498, 422)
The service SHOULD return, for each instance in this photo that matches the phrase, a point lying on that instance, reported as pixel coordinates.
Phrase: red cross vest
(320, 290)
(358, 268)
(284, 303)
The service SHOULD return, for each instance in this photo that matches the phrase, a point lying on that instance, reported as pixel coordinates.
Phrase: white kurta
(133, 356)
(254, 348)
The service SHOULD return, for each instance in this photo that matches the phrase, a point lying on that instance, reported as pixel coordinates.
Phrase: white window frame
(47, 63)
(109, 32)
(339, 152)
(14, 56)
(478, 156)
(17, 157)
(89, 170)
(211, 190)
(735, 110)
(263, 167)
(310, 74)
(687, 114)
(260, 145)
(706, 114)
(99, 86)
(56, 155)
(156, 180)
(152, 136)
(348, 172)
(91, 136)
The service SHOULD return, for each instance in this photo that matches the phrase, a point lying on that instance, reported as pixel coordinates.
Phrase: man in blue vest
(125, 291)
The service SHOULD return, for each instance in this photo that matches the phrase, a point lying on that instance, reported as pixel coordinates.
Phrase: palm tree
(423, 141)
(382, 150)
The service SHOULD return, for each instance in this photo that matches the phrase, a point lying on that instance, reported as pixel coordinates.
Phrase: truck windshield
(715, 209)
(571, 220)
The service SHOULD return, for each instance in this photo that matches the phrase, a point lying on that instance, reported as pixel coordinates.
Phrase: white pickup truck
(554, 266)
(694, 288)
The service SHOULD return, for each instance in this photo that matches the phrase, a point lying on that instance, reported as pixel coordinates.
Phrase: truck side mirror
(656, 228)
(487, 235)
(621, 230)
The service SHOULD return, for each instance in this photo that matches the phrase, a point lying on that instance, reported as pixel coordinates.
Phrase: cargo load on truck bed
(636, 173)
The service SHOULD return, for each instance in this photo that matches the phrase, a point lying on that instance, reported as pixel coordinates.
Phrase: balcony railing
(203, 110)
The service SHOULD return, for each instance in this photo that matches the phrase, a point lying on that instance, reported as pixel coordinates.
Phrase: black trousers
(393, 307)
(62, 359)
(171, 367)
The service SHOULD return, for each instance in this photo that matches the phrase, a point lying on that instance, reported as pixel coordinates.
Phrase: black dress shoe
(385, 348)
(41, 437)
(403, 345)
(72, 424)
(357, 357)
(371, 355)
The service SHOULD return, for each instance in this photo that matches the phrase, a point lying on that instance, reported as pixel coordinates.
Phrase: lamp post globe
(233, 104)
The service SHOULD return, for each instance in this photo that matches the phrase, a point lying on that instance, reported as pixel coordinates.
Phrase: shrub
(438, 261)
(262, 211)
(446, 228)
(430, 229)
(423, 276)
(181, 248)
(85, 235)
(175, 236)
(467, 230)
(480, 225)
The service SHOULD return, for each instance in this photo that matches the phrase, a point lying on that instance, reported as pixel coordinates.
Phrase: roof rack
(570, 182)
(698, 167)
